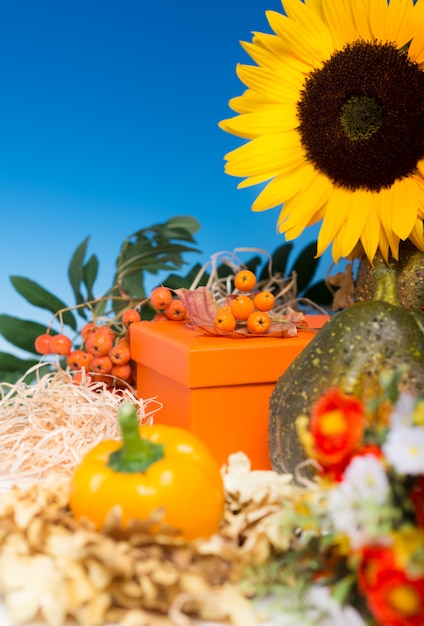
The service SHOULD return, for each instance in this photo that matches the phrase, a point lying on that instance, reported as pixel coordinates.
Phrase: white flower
(404, 449)
(354, 504)
(403, 410)
(367, 477)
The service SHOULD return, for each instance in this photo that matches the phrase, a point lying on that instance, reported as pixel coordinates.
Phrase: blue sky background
(109, 123)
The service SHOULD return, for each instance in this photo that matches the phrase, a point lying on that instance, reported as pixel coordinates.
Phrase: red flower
(337, 426)
(393, 598)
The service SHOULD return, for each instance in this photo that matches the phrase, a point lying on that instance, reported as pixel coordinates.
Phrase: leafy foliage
(151, 250)
(147, 251)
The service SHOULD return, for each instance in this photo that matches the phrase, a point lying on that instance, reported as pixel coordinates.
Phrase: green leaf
(176, 281)
(185, 222)
(20, 333)
(305, 266)
(12, 368)
(279, 258)
(76, 270)
(40, 297)
(89, 275)
(253, 264)
(342, 588)
(320, 294)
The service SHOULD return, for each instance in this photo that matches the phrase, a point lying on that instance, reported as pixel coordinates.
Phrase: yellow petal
(315, 32)
(338, 17)
(257, 180)
(270, 119)
(417, 235)
(361, 208)
(297, 230)
(416, 49)
(371, 236)
(405, 201)
(284, 187)
(383, 246)
(338, 207)
(384, 208)
(264, 154)
(400, 22)
(279, 50)
(294, 37)
(283, 87)
(313, 196)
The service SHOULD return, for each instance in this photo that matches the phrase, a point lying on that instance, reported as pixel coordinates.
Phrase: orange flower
(393, 598)
(337, 426)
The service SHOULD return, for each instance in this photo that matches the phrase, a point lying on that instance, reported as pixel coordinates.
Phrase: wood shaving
(49, 425)
(53, 568)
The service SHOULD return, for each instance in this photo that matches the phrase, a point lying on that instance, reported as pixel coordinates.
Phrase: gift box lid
(194, 359)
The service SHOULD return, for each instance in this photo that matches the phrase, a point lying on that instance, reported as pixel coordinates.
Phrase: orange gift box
(216, 387)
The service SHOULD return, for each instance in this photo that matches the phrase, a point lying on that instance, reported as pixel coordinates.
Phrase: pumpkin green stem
(385, 286)
(136, 453)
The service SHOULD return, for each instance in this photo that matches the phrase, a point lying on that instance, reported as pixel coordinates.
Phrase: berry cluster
(104, 353)
(166, 305)
(247, 307)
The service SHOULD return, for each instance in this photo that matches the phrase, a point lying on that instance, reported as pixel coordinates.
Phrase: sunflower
(334, 118)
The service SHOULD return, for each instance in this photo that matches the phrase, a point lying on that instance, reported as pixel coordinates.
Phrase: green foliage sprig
(160, 247)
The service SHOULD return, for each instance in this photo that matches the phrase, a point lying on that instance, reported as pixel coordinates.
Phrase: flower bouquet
(361, 520)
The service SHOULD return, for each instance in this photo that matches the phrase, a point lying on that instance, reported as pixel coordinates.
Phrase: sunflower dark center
(362, 116)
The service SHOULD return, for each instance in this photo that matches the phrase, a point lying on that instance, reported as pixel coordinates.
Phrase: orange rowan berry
(78, 377)
(61, 344)
(160, 298)
(160, 317)
(225, 321)
(130, 316)
(264, 301)
(225, 308)
(101, 364)
(242, 307)
(258, 323)
(99, 343)
(245, 280)
(105, 328)
(120, 353)
(43, 344)
(176, 310)
(77, 359)
(88, 328)
(124, 371)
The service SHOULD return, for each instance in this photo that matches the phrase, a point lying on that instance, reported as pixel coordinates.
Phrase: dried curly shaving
(49, 425)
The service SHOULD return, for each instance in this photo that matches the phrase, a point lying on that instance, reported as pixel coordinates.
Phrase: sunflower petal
(338, 207)
(417, 235)
(416, 49)
(293, 37)
(295, 232)
(264, 154)
(361, 208)
(269, 120)
(371, 236)
(274, 87)
(384, 209)
(405, 202)
(313, 197)
(315, 31)
(284, 187)
(338, 17)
